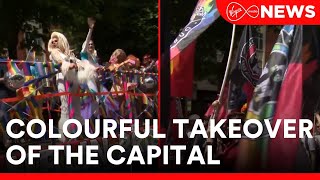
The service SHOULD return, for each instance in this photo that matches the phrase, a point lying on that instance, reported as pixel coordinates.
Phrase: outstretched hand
(216, 104)
(91, 22)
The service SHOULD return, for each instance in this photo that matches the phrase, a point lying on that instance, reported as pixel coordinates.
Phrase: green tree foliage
(130, 25)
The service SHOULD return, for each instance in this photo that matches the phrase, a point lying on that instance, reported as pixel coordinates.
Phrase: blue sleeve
(84, 55)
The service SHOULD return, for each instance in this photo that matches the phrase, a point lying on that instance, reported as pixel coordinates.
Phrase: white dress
(85, 72)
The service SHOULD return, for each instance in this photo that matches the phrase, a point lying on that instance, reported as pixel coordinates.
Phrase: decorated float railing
(36, 95)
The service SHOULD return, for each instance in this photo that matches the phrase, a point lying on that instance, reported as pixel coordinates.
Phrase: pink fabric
(132, 61)
(209, 111)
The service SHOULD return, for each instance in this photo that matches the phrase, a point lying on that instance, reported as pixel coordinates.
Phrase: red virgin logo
(235, 11)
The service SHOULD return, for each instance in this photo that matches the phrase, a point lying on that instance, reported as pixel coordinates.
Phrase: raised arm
(88, 38)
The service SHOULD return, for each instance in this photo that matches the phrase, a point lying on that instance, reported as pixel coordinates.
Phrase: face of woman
(113, 60)
(54, 42)
(146, 60)
(91, 46)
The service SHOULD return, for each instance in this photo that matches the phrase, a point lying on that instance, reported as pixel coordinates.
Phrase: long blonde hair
(63, 44)
(119, 55)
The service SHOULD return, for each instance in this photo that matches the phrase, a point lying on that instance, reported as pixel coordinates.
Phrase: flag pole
(216, 111)
(228, 65)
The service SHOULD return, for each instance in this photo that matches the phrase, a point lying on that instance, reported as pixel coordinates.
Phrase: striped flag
(26, 69)
(282, 72)
(12, 67)
(183, 48)
(304, 51)
(40, 69)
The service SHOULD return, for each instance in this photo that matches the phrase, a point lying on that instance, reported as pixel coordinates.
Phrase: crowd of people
(125, 86)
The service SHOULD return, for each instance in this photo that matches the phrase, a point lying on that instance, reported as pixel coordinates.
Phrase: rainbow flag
(40, 69)
(183, 48)
(26, 69)
(12, 67)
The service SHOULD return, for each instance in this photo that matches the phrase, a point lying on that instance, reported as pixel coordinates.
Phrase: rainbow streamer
(50, 67)
(91, 125)
(35, 111)
(68, 86)
(111, 102)
(26, 69)
(20, 111)
(40, 69)
(35, 108)
(12, 67)
(148, 114)
(12, 114)
(145, 99)
(127, 96)
(103, 111)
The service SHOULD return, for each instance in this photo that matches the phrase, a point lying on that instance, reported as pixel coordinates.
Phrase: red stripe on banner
(16, 99)
(181, 78)
(158, 176)
(282, 152)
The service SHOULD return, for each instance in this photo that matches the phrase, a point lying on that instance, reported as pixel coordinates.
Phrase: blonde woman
(73, 73)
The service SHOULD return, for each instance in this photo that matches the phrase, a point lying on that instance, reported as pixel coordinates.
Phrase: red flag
(269, 101)
(283, 152)
(182, 66)
(289, 107)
